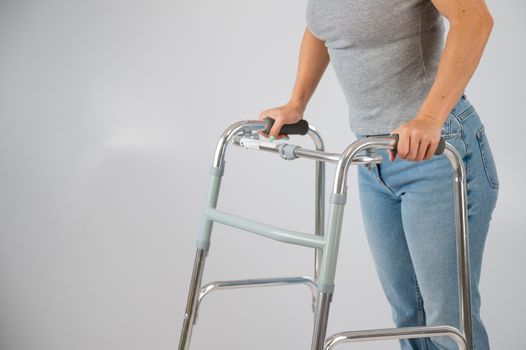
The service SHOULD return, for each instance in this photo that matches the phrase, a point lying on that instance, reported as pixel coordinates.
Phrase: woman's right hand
(288, 113)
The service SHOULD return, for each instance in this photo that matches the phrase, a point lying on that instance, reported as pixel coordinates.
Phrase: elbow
(478, 24)
(486, 22)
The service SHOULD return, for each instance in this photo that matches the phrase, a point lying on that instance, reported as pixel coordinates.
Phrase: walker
(325, 241)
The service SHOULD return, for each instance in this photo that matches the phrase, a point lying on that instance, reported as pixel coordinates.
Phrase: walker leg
(203, 246)
(320, 320)
(327, 270)
(193, 296)
(319, 224)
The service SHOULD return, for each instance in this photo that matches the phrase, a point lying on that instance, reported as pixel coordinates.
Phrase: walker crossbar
(396, 333)
(272, 232)
(325, 241)
(259, 282)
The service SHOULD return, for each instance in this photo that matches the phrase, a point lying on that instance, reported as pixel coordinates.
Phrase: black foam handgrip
(299, 128)
(439, 150)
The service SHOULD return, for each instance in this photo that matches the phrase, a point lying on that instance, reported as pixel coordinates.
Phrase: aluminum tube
(320, 320)
(193, 297)
(253, 283)
(299, 152)
(462, 232)
(319, 201)
(379, 142)
(396, 333)
(317, 155)
(231, 131)
(456, 161)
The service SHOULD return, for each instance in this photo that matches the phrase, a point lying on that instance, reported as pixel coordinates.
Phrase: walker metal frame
(324, 241)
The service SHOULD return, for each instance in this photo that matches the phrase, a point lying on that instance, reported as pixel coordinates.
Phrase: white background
(109, 115)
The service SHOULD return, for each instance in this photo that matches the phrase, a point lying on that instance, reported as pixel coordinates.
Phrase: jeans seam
(450, 135)
(468, 112)
(493, 184)
(463, 137)
(462, 133)
(420, 311)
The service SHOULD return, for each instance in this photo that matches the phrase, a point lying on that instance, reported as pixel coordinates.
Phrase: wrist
(298, 104)
(432, 118)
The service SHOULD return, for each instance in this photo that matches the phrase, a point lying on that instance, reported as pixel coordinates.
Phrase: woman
(398, 77)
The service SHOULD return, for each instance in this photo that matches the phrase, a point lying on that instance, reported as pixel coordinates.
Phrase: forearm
(312, 63)
(470, 28)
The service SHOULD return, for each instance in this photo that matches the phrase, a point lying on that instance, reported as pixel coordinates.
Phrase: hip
(465, 131)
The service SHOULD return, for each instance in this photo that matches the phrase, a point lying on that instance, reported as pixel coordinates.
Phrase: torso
(385, 54)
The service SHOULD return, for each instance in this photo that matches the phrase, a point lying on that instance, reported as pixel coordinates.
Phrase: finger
(413, 147)
(431, 150)
(282, 136)
(422, 148)
(262, 116)
(274, 131)
(403, 145)
(391, 155)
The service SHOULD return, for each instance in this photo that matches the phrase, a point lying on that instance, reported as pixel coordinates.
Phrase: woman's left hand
(418, 138)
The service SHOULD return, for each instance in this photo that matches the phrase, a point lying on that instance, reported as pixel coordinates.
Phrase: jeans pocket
(451, 128)
(448, 135)
(487, 159)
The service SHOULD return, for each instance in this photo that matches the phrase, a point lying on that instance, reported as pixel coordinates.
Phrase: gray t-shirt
(385, 54)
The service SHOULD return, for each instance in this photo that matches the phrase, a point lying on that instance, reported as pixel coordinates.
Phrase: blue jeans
(409, 217)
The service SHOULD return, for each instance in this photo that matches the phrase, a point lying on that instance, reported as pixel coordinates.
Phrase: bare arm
(312, 63)
(470, 27)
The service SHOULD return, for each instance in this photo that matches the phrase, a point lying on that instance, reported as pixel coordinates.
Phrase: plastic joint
(286, 151)
(338, 198)
(219, 171)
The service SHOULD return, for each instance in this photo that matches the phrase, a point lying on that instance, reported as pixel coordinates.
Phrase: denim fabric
(409, 217)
